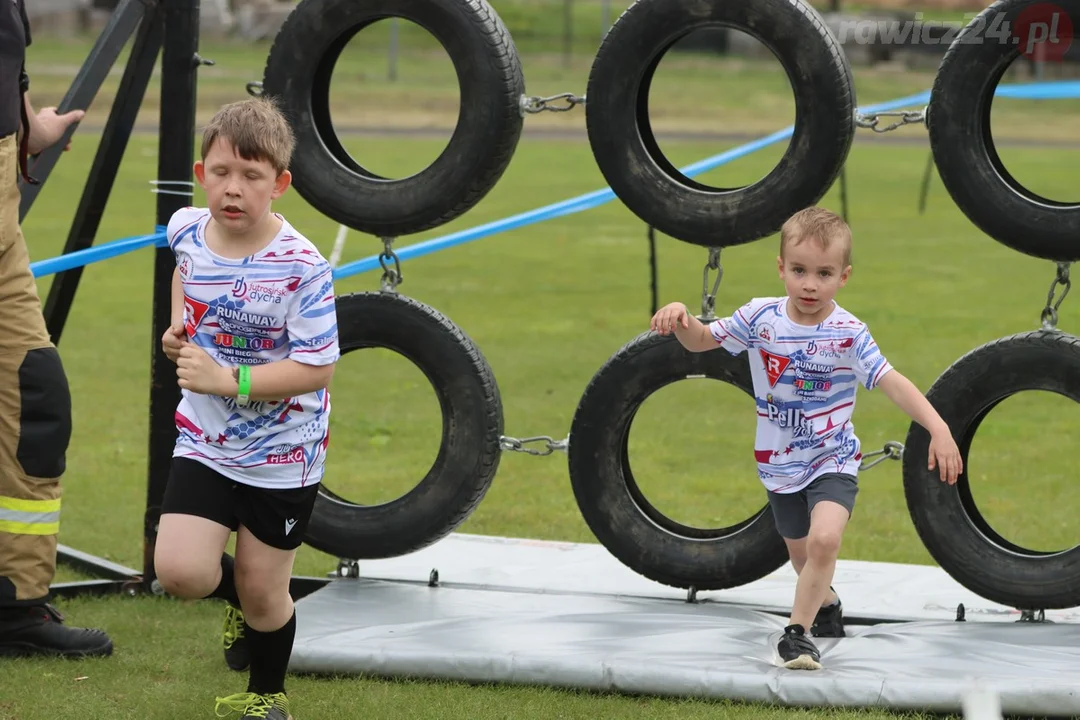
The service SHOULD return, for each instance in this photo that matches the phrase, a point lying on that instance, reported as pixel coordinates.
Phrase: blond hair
(256, 129)
(819, 225)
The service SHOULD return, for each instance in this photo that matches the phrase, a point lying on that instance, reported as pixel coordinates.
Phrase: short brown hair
(820, 225)
(257, 130)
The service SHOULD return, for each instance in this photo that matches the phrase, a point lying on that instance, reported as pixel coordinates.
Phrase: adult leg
(35, 428)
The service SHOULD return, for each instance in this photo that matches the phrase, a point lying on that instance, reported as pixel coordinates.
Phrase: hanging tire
(472, 425)
(619, 515)
(626, 150)
(946, 517)
(958, 121)
(298, 72)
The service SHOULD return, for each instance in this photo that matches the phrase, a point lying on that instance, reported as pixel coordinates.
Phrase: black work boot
(39, 630)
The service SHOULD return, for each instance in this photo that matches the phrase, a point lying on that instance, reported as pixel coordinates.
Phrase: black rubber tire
(620, 517)
(958, 121)
(298, 72)
(946, 518)
(627, 153)
(472, 425)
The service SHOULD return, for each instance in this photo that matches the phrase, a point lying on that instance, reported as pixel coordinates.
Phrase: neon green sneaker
(252, 706)
(237, 655)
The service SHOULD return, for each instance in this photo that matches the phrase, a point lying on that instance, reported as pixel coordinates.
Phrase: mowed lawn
(547, 304)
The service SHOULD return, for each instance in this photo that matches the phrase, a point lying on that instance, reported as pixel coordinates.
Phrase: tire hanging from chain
(946, 517)
(472, 422)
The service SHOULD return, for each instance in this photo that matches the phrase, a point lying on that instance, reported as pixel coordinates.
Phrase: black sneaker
(234, 640)
(797, 651)
(829, 622)
(39, 630)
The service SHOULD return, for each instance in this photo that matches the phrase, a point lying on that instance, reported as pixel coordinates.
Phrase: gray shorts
(791, 511)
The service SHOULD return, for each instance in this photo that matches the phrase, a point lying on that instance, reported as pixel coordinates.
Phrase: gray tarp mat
(568, 615)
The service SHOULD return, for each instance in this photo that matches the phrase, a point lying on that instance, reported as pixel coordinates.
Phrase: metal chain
(1050, 312)
(391, 278)
(534, 104)
(550, 444)
(907, 117)
(892, 451)
(708, 299)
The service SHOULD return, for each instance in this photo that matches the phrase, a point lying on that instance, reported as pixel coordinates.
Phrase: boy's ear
(200, 172)
(281, 184)
(780, 265)
(845, 275)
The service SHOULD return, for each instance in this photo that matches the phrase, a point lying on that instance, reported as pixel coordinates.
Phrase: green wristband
(243, 382)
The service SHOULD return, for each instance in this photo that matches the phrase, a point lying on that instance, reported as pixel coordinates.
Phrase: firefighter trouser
(35, 413)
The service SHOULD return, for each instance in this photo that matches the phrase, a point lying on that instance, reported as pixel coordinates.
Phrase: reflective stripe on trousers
(29, 517)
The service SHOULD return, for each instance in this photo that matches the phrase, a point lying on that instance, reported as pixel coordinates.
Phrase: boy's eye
(825, 273)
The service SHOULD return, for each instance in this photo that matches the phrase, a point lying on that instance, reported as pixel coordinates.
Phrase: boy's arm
(696, 337)
(177, 300)
(282, 379)
(730, 333)
(908, 398)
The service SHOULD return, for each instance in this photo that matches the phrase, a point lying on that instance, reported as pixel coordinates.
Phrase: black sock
(270, 653)
(226, 589)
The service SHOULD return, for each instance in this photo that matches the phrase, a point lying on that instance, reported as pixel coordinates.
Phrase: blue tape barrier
(1055, 90)
(98, 253)
(1044, 90)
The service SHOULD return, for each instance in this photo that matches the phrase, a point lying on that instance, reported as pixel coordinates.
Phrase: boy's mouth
(232, 211)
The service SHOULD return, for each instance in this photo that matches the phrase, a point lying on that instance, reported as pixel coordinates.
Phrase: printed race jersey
(805, 380)
(276, 304)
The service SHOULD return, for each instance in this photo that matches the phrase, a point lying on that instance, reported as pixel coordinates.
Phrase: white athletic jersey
(805, 380)
(276, 304)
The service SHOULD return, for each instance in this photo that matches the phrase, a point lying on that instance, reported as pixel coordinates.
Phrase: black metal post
(843, 195)
(110, 153)
(84, 88)
(652, 270)
(176, 143)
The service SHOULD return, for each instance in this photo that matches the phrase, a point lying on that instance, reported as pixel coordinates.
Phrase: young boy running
(254, 337)
(807, 358)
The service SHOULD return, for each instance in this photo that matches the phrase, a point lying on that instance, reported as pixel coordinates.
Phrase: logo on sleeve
(193, 314)
(775, 365)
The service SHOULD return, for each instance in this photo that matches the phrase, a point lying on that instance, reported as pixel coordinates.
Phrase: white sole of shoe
(803, 662)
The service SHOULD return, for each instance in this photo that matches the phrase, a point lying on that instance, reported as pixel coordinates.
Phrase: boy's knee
(823, 544)
(183, 579)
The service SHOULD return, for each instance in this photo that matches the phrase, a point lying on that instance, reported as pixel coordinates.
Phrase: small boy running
(808, 356)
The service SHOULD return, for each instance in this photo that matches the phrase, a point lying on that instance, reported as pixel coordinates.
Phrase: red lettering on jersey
(775, 365)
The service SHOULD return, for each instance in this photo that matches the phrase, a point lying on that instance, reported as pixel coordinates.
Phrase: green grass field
(547, 304)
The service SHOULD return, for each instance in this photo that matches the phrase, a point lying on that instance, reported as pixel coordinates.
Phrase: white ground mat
(570, 615)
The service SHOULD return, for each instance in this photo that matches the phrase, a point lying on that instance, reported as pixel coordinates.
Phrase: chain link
(708, 299)
(907, 117)
(1050, 312)
(533, 104)
(550, 444)
(892, 451)
(391, 278)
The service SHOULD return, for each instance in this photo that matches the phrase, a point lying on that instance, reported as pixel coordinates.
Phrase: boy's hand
(173, 340)
(670, 317)
(945, 456)
(198, 372)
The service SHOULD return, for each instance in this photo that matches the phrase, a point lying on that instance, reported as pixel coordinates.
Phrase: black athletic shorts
(278, 518)
(791, 511)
